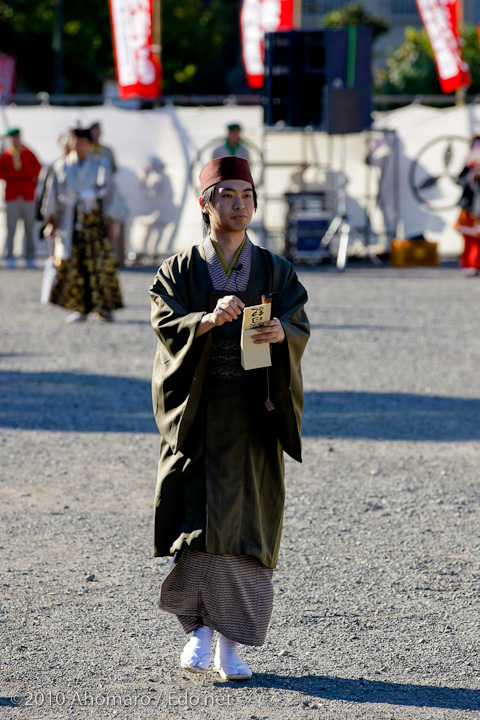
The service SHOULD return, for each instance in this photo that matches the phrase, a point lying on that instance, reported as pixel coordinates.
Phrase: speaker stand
(341, 224)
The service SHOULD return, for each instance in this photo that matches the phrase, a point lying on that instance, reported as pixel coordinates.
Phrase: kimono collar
(228, 267)
(238, 280)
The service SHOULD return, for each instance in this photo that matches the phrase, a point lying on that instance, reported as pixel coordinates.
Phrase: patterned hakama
(232, 594)
(87, 281)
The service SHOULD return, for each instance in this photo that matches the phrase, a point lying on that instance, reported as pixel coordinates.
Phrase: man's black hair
(207, 197)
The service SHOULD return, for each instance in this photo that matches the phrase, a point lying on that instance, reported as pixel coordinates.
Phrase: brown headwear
(225, 168)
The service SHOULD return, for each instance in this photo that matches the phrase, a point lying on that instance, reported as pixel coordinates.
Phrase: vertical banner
(258, 17)
(439, 18)
(138, 67)
(453, 10)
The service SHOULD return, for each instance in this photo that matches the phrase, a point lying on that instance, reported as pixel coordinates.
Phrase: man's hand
(227, 309)
(270, 332)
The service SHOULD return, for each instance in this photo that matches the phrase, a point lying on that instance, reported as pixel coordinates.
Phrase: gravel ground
(376, 591)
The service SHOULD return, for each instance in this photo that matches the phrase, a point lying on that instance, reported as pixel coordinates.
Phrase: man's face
(232, 206)
(81, 145)
(95, 133)
(15, 140)
(233, 137)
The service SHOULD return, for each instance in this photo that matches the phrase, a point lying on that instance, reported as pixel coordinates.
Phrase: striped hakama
(232, 594)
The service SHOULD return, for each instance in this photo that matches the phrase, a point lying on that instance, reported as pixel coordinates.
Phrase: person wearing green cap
(232, 145)
(19, 169)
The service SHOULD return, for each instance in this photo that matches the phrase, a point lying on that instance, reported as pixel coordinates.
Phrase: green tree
(355, 14)
(410, 68)
(200, 44)
(26, 31)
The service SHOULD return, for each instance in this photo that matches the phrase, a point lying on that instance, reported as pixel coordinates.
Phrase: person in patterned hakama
(79, 204)
(220, 488)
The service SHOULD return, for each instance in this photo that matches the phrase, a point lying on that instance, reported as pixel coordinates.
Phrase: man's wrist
(205, 324)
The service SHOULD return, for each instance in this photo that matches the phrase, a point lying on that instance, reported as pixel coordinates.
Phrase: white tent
(432, 146)
(158, 151)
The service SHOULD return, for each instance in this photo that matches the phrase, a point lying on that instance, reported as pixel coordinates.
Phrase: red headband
(225, 168)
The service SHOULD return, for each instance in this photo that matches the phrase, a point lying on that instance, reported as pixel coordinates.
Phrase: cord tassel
(268, 403)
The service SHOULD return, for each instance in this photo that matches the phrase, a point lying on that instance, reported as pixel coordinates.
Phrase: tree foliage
(411, 70)
(26, 31)
(200, 41)
(200, 44)
(355, 14)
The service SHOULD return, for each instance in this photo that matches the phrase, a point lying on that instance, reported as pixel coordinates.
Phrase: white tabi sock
(197, 653)
(228, 662)
(205, 635)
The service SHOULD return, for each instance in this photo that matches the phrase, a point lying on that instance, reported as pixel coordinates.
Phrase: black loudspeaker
(343, 111)
(301, 64)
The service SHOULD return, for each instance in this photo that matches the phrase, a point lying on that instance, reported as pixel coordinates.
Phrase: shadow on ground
(368, 691)
(74, 402)
(9, 701)
(355, 691)
(391, 416)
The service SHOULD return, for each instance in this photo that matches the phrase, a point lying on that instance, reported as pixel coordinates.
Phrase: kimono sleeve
(50, 204)
(181, 359)
(286, 385)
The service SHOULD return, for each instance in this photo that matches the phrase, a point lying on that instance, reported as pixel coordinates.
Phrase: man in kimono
(220, 490)
(80, 202)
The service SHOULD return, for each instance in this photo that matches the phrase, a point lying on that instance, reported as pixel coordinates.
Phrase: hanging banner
(258, 17)
(439, 19)
(453, 11)
(137, 66)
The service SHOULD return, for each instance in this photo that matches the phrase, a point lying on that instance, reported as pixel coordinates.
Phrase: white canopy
(156, 150)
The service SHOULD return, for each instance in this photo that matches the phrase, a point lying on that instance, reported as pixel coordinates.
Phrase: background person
(100, 150)
(116, 229)
(468, 222)
(19, 168)
(78, 206)
(64, 143)
(232, 144)
(220, 488)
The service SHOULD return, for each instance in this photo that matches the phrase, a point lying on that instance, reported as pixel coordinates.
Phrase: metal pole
(58, 46)
(297, 14)
(157, 27)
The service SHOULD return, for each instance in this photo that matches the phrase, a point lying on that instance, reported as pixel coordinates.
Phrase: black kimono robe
(220, 479)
